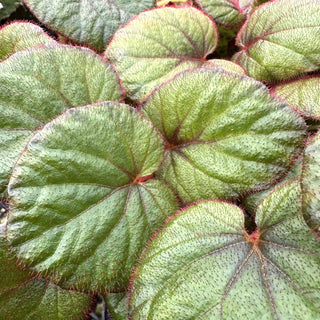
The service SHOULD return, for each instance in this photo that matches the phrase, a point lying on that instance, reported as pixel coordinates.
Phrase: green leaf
(91, 22)
(281, 40)
(38, 84)
(117, 305)
(310, 183)
(226, 65)
(302, 94)
(18, 36)
(252, 201)
(204, 265)
(25, 297)
(225, 12)
(82, 202)
(225, 134)
(158, 44)
(7, 7)
(306, 170)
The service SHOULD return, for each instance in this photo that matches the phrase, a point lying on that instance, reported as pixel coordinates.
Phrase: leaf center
(254, 237)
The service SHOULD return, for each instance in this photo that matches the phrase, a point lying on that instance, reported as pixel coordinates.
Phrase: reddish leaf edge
(176, 8)
(302, 77)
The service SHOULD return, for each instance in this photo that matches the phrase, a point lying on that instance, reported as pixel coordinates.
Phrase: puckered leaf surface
(306, 170)
(225, 12)
(311, 182)
(302, 94)
(18, 36)
(80, 212)
(204, 265)
(252, 201)
(7, 7)
(225, 134)
(87, 22)
(226, 65)
(24, 297)
(158, 44)
(38, 84)
(281, 40)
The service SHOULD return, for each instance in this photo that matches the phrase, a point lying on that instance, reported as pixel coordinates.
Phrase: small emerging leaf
(81, 205)
(281, 40)
(204, 265)
(158, 44)
(19, 36)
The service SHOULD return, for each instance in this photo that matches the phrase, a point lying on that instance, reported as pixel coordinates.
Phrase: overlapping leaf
(18, 36)
(225, 12)
(38, 84)
(302, 94)
(7, 7)
(252, 201)
(281, 40)
(311, 182)
(306, 170)
(158, 44)
(225, 134)
(87, 22)
(204, 265)
(25, 297)
(226, 65)
(81, 212)
(117, 305)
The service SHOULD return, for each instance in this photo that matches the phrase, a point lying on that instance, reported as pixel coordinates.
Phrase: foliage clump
(162, 158)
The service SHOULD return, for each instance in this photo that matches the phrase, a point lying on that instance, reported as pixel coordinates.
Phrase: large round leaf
(281, 40)
(225, 134)
(158, 44)
(18, 36)
(25, 297)
(38, 84)
(204, 265)
(87, 22)
(302, 94)
(82, 204)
